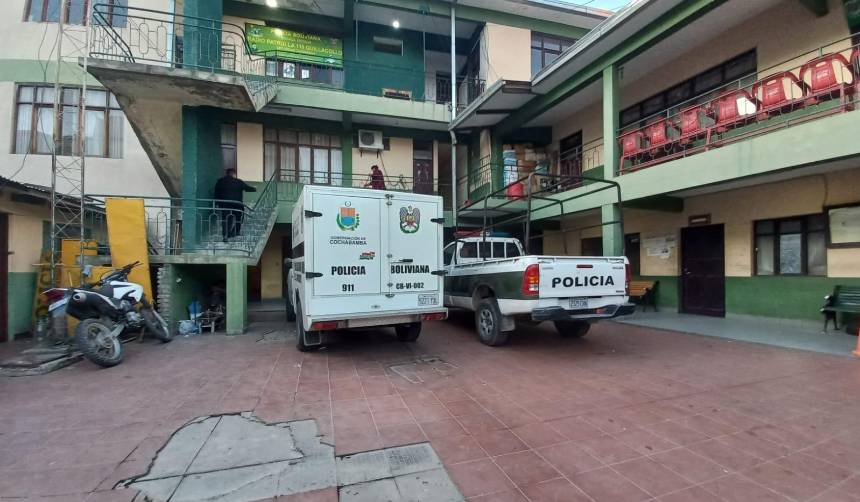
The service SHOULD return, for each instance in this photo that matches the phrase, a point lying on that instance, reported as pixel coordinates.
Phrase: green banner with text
(295, 46)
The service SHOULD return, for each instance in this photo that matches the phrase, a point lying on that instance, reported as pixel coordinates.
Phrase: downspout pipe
(453, 111)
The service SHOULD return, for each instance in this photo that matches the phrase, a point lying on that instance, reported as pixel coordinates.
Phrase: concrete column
(237, 298)
(610, 121)
(613, 237)
(201, 168)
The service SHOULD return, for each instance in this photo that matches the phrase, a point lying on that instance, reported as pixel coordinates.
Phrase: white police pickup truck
(362, 258)
(492, 277)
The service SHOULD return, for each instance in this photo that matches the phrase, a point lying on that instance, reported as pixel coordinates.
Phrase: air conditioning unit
(369, 140)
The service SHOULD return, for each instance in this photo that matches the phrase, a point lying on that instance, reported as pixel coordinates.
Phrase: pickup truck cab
(494, 278)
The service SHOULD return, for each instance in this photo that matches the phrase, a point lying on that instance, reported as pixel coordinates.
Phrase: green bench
(844, 300)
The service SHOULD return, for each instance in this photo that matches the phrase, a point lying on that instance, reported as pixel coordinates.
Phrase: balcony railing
(805, 88)
(152, 37)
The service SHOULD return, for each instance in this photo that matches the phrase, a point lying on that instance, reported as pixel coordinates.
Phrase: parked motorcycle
(105, 310)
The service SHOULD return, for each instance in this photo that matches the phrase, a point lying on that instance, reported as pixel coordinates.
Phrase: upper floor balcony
(806, 88)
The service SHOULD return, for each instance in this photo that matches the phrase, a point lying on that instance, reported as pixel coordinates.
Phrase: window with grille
(111, 12)
(34, 122)
(302, 156)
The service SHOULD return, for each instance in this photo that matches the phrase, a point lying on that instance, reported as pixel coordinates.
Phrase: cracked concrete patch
(239, 458)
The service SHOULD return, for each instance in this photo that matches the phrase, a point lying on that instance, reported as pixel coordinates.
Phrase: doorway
(703, 270)
(4, 277)
(422, 167)
(631, 249)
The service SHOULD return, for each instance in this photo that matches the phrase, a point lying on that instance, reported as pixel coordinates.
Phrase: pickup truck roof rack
(499, 208)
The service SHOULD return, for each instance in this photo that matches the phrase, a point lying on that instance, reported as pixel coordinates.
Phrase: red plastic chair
(822, 76)
(631, 146)
(691, 123)
(771, 93)
(658, 138)
(726, 111)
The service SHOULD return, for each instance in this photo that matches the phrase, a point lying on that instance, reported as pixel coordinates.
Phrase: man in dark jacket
(228, 197)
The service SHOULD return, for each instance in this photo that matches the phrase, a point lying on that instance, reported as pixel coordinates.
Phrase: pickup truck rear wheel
(291, 311)
(408, 332)
(488, 323)
(572, 329)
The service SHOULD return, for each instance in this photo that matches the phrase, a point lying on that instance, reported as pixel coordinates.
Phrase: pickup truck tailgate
(582, 277)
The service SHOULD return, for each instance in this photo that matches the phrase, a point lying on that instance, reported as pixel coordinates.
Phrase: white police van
(364, 257)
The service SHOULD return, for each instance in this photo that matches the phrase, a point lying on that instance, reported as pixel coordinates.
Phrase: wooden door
(703, 270)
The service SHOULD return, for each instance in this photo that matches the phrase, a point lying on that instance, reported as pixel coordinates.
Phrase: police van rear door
(415, 248)
(347, 250)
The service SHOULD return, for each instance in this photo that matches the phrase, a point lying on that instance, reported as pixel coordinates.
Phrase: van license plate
(578, 303)
(427, 300)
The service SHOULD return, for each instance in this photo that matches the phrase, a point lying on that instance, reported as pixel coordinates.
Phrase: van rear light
(531, 280)
(440, 316)
(324, 325)
(628, 276)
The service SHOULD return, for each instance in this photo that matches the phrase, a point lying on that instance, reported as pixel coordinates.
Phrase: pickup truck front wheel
(408, 332)
(572, 329)
(488, 323)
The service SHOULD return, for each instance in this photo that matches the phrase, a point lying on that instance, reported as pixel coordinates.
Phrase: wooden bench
(844, 300)
(644, 292)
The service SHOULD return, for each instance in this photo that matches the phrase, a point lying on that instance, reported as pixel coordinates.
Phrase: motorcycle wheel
(93, 339)
(156, 325)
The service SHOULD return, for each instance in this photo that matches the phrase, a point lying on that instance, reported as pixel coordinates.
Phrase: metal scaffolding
(68, 158)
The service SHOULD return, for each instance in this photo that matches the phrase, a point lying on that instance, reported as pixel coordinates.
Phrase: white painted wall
(20, 51)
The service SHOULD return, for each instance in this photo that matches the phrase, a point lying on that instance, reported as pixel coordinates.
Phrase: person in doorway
(377, 178)
(228, 201)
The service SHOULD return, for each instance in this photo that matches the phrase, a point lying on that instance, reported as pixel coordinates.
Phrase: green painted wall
(774, 296)
(237, 298)
(781, 296)
(191, 282)
(35, 71)
(201, 164)
(667, 290)
(21, 290)
(202, 47)
(368, 71)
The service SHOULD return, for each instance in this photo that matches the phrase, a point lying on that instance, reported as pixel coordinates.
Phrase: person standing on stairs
(228, 200)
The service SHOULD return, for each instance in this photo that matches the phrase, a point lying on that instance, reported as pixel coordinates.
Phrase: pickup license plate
(578, 303)
(424, 300)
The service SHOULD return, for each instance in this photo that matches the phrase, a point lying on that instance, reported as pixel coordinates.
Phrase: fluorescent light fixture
(396, 24)
(272, 3)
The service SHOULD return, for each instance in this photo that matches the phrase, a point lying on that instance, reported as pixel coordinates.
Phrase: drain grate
(423, 369)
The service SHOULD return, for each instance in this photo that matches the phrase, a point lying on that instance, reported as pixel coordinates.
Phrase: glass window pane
(113, 102)
(708, 80)
(498, 250)
(789, 254)
(69, 130)
(321, 165)
(119, 13)
(271, 68)
(815, 222)
(288, 162)
(320, 139)
(304, 164)
(288, 136)
(76, 11)
(537, 64)
(764, 255)
(53, 10)
(816, 254)
(484, 249)
(549, 57)
(537, 41)
(228, 134)
(45, 95)
(22, 130)
(25, 94)
(336, 166)
(844, 224)
(71, 96)
(45, 130)
(96, 98)
(35, 12)
(115, 139)
(469, 250)
(512, 250)
(552, 44)
(95, 133)
(270, 134)
(270, 159)
(288, 70)
(790, 226)
(764, 227)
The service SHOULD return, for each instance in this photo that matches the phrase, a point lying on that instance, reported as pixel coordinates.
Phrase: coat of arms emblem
(410, 219)
(347, 218)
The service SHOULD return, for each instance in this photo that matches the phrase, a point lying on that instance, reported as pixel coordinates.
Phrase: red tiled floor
(605, 484)
(478, 478)
(526, 468)
(617, 397)
(500, 442)
(556, 490)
